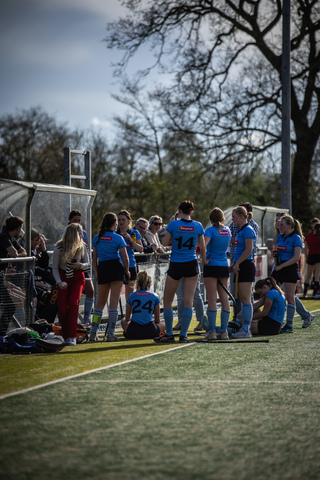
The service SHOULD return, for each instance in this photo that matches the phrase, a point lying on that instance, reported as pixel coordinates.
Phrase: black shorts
(313, 259)
(178, 270)
(110, 271)
(268, 326)
(134, 273)
(136, 331)
(247, 272)
(290, 274)
(215, 271)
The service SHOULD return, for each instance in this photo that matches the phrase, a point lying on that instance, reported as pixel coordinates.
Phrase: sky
(52, 54)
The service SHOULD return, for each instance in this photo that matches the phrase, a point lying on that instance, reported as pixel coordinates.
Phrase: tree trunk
(301, 201)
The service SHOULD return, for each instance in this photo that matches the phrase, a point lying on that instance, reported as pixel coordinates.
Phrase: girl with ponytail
(268, 321)
(143, 311)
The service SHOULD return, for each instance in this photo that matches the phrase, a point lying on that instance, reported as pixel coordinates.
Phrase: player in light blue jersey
(110, 272)
(217, 239)
(268, 321)
(244, 267)
(133, 243)
(289, 246)
(143, 311)
(183, 234)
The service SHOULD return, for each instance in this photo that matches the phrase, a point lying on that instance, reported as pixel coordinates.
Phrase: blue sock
(88, 304)
(185, 322)
(212, 316)
(168, 319)
(247, 312)
(225, 315)
(291, 310)
(113, 317)
(96, 319)
(300, 309)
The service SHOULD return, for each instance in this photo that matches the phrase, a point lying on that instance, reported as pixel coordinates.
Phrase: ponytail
(270, 282)
(143, 280)
(108, 220)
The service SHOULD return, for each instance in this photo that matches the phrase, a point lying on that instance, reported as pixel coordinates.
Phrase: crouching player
(141, 306)
(268, 321)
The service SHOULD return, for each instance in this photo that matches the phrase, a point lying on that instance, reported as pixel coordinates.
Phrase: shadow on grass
(122, 345)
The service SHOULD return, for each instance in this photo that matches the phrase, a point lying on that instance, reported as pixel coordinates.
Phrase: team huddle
(114, 264)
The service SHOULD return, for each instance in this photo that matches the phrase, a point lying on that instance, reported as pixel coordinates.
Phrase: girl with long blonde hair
(70, 261)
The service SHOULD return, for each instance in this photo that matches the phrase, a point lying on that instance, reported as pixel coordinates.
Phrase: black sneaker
(184, 339)
(164, 338)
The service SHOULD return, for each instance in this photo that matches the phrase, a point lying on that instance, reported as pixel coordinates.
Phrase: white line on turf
(53, 382)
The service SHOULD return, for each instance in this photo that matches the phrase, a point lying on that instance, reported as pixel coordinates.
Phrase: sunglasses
(157, 224)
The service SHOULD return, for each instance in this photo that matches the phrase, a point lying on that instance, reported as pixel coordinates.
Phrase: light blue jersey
(278, 309)
(287, 244)
(142, 304)
(218, 245)
(108, 245)
(130, 248)
(245, 232)
(185, 234)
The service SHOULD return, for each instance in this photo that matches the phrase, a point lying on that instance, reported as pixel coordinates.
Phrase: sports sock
(185, 322)
(315, 288)
(212, 316)
(300, 309)
(96, 319)
(225, 315)
(305, 289)
(88, 304)
(113, 317)
(168, 319)
(291, 310)
(247, 311)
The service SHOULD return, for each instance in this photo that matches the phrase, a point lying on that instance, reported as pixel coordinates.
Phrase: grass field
(201, 411)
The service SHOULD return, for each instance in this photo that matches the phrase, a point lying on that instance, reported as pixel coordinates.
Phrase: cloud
(96, 122)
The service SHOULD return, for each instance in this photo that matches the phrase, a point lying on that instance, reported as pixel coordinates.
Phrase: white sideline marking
(53, 382)
(206, 382)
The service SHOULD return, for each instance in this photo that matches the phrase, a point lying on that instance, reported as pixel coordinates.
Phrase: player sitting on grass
(268, 321)
(141, 306)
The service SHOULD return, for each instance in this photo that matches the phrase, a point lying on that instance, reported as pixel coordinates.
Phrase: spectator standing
(142, 227)
(9, 248)
(70, 261)
(312, 248)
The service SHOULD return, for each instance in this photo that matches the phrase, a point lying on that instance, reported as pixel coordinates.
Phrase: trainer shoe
(242, 334)
(223, 336)
(307, 321)
(199, 328)
(286, 329)
(177, 326)
(316, 296)
(93, 337)
(184, 339)
(72, 341)
(304, 297)
(112, 338)
(164, 338)
(210, 336)
(205, 322)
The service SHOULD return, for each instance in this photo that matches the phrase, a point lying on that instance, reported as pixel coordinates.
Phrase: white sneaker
(72, 341)
(210, 336)
(112, 338)
(307, 321)
(242, 334)
(223, 336)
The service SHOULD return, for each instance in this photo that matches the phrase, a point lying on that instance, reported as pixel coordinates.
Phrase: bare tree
(224, 58)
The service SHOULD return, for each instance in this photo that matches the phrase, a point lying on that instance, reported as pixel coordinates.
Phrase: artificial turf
(204, 411)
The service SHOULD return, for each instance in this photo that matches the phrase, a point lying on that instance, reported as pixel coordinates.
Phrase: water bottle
(276, 256)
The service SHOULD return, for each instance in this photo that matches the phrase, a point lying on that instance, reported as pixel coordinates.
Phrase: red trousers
(68, 301)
